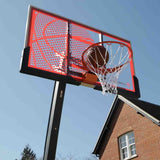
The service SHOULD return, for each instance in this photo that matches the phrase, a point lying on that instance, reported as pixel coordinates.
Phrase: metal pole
(54, 120)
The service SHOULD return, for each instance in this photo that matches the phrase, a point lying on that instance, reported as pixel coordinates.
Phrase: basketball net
(120, 55)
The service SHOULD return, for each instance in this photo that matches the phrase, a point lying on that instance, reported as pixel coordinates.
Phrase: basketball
(97, 56)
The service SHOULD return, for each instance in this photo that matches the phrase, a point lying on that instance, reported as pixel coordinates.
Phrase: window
(127, 146)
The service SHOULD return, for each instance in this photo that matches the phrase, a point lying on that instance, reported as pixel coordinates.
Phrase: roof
(149, 110)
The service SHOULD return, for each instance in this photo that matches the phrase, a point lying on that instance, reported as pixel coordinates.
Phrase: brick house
(131, 131)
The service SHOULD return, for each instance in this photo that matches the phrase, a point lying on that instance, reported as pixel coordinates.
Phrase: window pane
(127, 145)
(131, 138)
(132, 150)
(123, 144)
(123, 141)
(131, 141)
(130, 135)
(124, 153)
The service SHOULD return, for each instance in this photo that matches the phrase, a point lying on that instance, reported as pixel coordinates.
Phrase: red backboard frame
(65, 64)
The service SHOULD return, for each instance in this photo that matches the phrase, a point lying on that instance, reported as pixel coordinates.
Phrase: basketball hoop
(106, 60)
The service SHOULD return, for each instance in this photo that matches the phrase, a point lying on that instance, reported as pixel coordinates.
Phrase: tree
(28, 154)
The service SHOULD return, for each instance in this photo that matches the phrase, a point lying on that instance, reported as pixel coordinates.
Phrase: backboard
(54, 46)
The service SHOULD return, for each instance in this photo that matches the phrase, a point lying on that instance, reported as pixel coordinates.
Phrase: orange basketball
(97, 56)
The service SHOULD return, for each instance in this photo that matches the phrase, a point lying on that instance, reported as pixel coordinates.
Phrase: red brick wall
(147, 135)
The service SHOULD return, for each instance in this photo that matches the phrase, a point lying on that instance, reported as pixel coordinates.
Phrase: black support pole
(54, 120)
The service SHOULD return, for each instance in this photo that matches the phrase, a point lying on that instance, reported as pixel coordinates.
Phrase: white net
(108, 71)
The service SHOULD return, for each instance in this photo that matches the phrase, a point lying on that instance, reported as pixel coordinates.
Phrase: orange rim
(109, 70)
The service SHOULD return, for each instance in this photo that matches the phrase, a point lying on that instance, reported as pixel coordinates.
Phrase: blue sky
(25, 100)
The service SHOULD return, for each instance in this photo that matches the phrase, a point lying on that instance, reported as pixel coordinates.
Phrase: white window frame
(127, 146)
